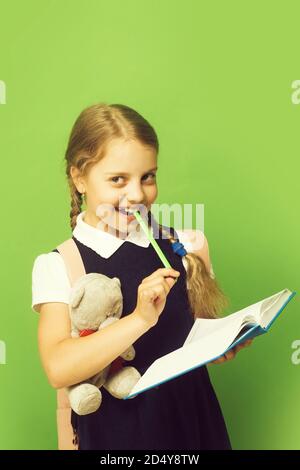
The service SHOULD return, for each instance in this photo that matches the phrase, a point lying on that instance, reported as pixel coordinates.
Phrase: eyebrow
(126, 174)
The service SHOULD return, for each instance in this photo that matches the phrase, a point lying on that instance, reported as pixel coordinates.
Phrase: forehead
(127, 156)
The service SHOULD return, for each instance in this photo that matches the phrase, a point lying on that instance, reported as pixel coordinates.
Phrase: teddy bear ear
(117, 280)
(77, 296)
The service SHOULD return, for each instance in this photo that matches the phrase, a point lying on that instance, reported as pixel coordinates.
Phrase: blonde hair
(94, 128)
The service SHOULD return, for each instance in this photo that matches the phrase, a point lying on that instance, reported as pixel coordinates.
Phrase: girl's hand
(152, 294)
(231, 354)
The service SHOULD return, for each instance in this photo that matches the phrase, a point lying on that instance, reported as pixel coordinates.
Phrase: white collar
(104, 243)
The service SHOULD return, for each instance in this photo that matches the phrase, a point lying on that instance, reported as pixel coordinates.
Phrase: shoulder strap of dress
(72, 258)
(75, 269)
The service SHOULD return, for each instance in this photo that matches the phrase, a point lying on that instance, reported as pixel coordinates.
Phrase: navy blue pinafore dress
(181, 414)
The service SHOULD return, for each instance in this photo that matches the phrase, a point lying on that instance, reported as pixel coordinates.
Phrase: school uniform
(181, 414)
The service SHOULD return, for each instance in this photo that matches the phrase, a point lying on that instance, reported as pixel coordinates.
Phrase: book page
(209, 339)
(205, 326)
(189, 356)
(272, 305)
(260, 313)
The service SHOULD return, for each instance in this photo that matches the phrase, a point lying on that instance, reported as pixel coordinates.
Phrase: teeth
(127, 211)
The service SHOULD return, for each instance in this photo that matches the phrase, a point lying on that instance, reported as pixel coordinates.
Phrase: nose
(135, 194)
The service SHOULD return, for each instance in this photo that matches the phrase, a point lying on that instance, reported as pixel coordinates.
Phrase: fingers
(229, 355)
(168, 281)
(155, 288)
(244, 344)
(165, 272)
(220, 360)
(158, 281)
(153, 292)
(225, 357)
(239, 347)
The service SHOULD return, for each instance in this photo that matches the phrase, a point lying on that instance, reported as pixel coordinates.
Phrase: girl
(111, 160)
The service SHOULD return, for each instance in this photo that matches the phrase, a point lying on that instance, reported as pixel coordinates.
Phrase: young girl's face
(124, 177)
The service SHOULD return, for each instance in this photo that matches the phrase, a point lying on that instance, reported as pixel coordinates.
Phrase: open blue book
(209, 339)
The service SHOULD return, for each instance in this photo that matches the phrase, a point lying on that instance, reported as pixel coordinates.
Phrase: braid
(76, 203)
(206, 298)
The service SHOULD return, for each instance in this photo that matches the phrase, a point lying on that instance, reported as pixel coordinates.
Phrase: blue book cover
(216, 337)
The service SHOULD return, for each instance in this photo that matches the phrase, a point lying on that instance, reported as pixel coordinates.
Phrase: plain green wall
(214, 79)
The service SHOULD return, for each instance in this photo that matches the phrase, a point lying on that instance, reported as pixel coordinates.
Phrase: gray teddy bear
(96, 301)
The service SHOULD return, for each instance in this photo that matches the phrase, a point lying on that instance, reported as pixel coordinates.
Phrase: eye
(151, 174)
(114, 178)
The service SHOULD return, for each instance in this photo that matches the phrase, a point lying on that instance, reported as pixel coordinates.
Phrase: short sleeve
(212, 274)
(50, 282)
(196, 242)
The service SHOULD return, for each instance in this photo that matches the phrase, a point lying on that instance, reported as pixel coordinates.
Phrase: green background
(214, 79)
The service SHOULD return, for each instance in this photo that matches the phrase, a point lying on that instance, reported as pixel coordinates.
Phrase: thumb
(171, 280)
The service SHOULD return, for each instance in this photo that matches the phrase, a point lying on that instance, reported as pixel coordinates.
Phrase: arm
(200, 247)
(67, 360)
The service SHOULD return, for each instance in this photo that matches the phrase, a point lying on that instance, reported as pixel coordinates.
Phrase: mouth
(127, 212)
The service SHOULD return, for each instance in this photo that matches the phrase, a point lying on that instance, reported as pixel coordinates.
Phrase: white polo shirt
(50, 282)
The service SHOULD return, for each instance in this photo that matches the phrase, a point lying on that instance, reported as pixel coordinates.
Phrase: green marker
(153, 241)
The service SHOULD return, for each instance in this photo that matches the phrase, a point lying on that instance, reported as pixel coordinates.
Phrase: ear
(117, 280)
(77, 297)
(78, 179)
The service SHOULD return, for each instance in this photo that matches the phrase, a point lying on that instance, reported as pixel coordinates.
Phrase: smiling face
(124, 177)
